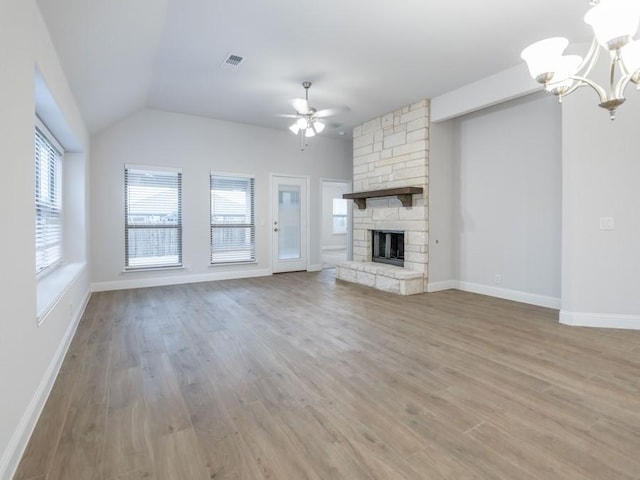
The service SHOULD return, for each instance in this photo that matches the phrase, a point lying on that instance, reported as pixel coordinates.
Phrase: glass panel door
(289, 223)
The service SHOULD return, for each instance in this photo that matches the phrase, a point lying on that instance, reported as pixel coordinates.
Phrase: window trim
(179, 226)
(252, 225)
(50, 137)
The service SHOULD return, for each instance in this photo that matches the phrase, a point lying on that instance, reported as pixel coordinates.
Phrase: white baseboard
(177, 279)
(314, 268)
(440, 286)
(330, 248)
(600, 320)
(507, 294)
(20, 438)
(576, 319)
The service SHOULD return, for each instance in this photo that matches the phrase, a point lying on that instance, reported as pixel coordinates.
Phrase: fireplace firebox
(388, 247)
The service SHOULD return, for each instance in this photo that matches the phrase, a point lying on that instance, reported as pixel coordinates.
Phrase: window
(153, 217)
(339, 216)
(233, 229)
(48, 201)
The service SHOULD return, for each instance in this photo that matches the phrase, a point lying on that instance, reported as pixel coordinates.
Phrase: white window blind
(153, 218)
(48, 202)
(233, 229)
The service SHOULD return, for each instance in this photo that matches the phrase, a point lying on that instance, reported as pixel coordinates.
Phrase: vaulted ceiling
(370, 55)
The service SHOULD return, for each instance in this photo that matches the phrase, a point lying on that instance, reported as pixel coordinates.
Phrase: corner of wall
(19, 440)
(600, 320)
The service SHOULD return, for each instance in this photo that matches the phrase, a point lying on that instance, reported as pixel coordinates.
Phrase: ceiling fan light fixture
(307, 123)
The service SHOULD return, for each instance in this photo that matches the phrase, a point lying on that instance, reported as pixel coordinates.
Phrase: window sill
(152, 269)
(53, 286)
(224, 264)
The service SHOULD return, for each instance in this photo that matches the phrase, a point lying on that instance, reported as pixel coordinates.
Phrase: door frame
(307, 238)
(349, 215)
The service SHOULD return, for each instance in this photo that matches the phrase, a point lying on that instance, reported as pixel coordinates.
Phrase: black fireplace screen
(388, 247)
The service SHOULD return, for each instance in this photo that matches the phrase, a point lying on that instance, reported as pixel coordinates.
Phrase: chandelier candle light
(614, 22)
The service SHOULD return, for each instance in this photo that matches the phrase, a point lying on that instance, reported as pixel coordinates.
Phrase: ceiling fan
(308, 124)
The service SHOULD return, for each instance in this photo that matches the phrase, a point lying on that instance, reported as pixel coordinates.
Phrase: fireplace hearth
(387, 246)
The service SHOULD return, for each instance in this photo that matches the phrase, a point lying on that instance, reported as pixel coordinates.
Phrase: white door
(289, 223)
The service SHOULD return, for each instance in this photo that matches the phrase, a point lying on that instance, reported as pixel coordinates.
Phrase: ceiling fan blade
(288, 115)
(301, 105)
(328, 112)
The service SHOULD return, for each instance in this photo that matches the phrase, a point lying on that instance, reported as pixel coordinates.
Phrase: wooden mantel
(404, 194)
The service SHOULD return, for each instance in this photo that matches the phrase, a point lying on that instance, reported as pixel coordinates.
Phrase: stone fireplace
(391, 152)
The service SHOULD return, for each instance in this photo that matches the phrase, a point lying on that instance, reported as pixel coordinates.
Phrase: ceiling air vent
(232, 62)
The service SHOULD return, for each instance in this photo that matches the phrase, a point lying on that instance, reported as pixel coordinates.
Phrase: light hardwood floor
(297, 377)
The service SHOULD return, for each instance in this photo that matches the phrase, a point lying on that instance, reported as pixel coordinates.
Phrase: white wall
(199, 145)
(30, 354)
(495, 89)
(442, 155)
(506, 207)
(600, 170)
(600, 282)
(331, 190)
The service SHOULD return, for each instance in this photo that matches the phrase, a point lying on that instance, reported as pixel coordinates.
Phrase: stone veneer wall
(393, 151)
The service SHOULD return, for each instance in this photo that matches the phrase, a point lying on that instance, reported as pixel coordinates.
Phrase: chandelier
(614, 24)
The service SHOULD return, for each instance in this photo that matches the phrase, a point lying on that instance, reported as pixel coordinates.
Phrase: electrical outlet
(497, 279)
(607, 223)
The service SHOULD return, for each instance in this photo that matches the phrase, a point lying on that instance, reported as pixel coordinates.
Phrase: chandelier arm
(612, 75)
(572, 89)
(625, 69)
(590, 59)
(623, 66)
(622, 84)
(581, 82)
(627, 76)
(589, 62)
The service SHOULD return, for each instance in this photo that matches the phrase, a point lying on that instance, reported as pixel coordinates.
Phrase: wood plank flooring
(297, 376)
